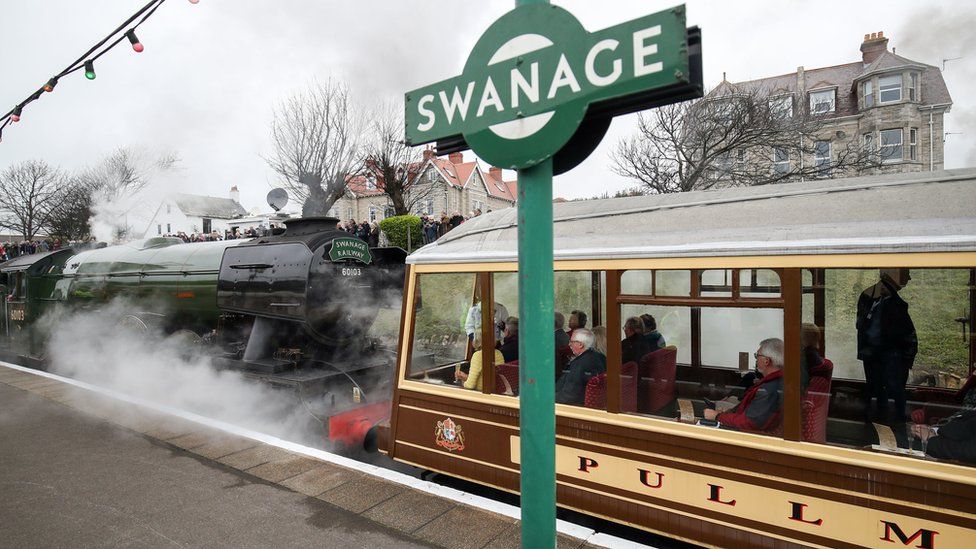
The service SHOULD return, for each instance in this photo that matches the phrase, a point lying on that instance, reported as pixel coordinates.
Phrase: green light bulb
(90, 70)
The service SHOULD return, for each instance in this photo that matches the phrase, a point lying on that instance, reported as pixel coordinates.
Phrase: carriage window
(888, 362)
(758, 283)
(440, 338)
(716, 283)
(672, 283)
(635, 283)
(660, 346)
(506, 355)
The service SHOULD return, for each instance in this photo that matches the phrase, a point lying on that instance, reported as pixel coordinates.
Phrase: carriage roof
(907, 212)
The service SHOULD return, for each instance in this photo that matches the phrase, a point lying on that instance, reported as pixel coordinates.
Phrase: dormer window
(371, 182)
(781, 106)
(868, 94)
(822, 102)
(889, 89)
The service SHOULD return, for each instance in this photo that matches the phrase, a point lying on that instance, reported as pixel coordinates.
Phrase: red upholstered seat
(502, 386)
(816, 405)
(939, 403)
(657, 373)
(825, 369)
(510, 371)
(596, 390)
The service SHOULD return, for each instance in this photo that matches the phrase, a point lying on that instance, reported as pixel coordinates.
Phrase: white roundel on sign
(523, 127)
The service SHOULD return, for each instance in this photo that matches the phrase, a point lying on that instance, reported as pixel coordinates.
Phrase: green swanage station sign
(350, 248)
(526, 87)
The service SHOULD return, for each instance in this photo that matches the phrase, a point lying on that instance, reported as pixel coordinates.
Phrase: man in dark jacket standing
(571, 387)
(886, 343)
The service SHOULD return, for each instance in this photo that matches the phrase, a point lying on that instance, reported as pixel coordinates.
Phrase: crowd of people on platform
(436, 226)
(10, 250)
(365, 230)
(229, 234)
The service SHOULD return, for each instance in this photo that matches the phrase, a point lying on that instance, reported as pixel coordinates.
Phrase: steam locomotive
(293, 310)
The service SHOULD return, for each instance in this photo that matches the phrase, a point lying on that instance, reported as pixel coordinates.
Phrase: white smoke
(90, 346)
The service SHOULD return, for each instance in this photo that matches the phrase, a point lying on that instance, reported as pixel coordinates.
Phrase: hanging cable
(87, 60)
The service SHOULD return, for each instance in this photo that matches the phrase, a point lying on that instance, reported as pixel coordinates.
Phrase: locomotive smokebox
(327, 281)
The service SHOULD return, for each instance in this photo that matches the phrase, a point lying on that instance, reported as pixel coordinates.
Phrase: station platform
(79, 467)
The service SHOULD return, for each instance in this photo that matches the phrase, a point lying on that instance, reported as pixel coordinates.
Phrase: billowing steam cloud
(91, 347)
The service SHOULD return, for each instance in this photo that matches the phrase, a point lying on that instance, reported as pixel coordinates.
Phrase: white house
(191, 213)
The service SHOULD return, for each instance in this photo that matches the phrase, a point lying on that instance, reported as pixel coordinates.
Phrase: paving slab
(409, 510)
(322, 478)
(277, 471)
(512, 539)
(192, 440)
(362, 494)
(465, 527)
(252, 457)
(224, 445)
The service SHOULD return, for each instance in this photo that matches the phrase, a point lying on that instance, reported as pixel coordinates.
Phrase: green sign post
(537, 94)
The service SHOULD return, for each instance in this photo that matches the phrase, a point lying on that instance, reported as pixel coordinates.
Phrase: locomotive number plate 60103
(352, 271)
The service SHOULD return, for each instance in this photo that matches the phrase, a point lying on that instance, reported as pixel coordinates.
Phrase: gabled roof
(208, 206)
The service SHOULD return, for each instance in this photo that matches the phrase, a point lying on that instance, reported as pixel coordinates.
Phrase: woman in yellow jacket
(472, 379)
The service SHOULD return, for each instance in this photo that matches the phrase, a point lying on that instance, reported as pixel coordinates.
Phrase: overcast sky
(211, 73)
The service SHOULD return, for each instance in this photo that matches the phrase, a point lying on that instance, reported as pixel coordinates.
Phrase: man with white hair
(586, 363)
(761, 409)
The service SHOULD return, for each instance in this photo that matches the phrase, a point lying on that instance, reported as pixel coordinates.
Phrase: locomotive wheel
(134, 324)
(186, 338)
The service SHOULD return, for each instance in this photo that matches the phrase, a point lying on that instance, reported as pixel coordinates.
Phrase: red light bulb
(194, 1)
(134, 40)
(14, 118)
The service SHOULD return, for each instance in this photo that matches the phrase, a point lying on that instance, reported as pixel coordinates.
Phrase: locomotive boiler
(294, 310)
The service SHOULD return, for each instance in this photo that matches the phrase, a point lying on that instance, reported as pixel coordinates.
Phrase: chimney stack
(873, 46)
(496, 173)
(235, 195)
(456, 158)
(429, 153)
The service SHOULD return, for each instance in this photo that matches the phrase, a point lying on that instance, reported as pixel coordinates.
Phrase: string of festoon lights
(86, 62)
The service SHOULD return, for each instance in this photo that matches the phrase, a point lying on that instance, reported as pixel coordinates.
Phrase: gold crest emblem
(449, 435)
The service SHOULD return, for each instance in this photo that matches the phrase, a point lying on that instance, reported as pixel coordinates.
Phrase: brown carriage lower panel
(846, 481)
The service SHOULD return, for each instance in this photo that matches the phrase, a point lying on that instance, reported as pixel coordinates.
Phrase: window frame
(913, 86)
(778, 109)
(822, 162)
(913, 143)
(891, 88)
(813, 104)
(778, 163)
(892, 159)
(868, 94)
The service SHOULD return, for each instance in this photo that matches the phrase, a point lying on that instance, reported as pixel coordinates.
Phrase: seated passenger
(577, 320)
(955, 438)
(510, 348)
(634, 346)
(586, 363)
(761, 406)
(810, 358)
(600, 340)
(472, 379)
(653, 337)
(562, 338)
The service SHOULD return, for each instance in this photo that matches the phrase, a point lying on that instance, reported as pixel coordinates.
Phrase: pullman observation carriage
(721, 271)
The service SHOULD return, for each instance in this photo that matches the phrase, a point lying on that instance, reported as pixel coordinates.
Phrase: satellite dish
(277, 199)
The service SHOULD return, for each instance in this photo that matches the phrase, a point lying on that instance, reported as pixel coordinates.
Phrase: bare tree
(736, 139)
(28, 192)
(116, 184)
(316, 135)
(393, 164)
(71, 216)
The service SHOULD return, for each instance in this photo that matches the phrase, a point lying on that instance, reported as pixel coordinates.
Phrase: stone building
(886, 102)
(445, 184)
